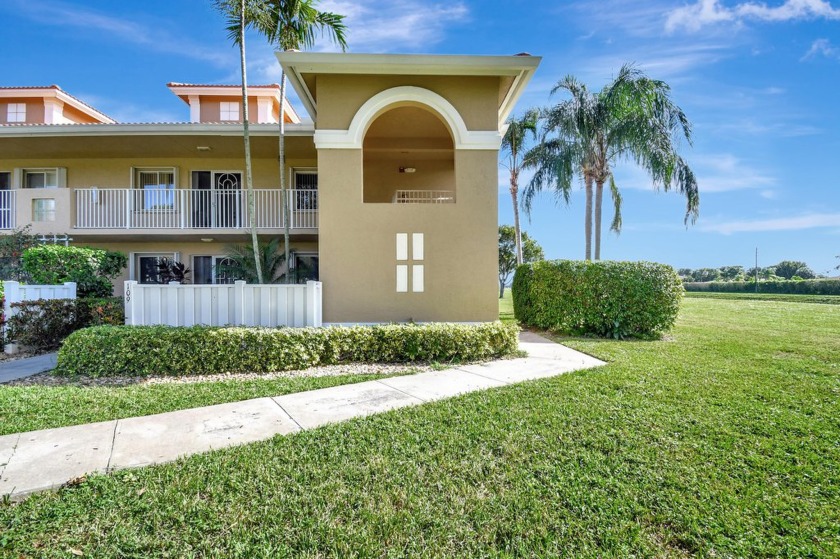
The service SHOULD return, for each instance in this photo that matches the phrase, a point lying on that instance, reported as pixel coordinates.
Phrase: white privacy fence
(16, 292)
(237, 304)
(121, 208)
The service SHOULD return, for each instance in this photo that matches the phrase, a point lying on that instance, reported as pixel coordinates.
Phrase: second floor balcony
(227, 209)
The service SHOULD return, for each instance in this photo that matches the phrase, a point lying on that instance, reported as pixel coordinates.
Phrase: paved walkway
(40, 460)
(26, 367)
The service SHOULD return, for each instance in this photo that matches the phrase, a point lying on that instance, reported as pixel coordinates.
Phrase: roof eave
(520, 67)
(175, 129)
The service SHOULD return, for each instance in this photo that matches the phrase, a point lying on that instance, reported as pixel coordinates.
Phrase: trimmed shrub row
(786, 287)
(609, 299)
(43, 324)
(201, 350)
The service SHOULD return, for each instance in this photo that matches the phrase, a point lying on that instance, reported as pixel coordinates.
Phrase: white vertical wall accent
(54, 111)
(264, 110)
(239, 304)
(402, 246)
(195, 108)
(417, 278)
(417, 246)
(418, 254)
(402, 278)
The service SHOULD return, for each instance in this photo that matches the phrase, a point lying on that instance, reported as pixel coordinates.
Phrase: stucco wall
(358, 240)
(339, 97)
(358, 246)
(34, 109)
(211, 108)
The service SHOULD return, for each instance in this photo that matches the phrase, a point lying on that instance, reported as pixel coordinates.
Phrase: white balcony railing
(7, 209)
(424, 197)
(123, 208)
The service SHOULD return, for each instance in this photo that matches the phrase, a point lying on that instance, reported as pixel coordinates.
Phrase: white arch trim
(353, 137)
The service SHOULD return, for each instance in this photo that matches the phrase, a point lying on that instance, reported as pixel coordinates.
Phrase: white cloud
(637, 19)
(703, 13)
(153, 37)
(794, 223)
(726, 172)
(399, 25)
(752, 127)
(673, 64)
(822, 47)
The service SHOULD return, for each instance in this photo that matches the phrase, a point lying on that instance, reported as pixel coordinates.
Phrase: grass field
(823, 299)
(720, 441)
(29, 408)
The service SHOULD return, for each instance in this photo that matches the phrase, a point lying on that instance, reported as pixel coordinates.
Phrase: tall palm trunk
(599, 197)
(249, 176)
(588, 221)
(284, 192)
(514, 195)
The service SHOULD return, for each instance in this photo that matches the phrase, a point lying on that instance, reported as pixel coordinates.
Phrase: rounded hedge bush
(605, 298)
(200, 350)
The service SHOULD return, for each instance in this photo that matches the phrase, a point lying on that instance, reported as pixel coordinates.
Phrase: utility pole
(756, 269)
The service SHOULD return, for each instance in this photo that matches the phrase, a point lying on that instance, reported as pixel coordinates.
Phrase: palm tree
(293, 25)
(240, 14)
(632, 118)
(513, 143)
(239, 264)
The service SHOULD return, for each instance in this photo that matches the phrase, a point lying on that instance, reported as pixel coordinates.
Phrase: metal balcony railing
(424, 197)
(125, 208)
(7, 209)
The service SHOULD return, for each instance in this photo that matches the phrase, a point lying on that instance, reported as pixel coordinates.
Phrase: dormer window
(229, 111)
(16, 112)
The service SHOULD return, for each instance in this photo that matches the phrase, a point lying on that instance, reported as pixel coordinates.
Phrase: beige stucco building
(393, 181)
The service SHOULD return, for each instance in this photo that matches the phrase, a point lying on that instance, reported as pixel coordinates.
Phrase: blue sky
(758, 80)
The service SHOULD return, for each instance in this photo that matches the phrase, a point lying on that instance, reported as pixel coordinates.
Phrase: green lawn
(823, 299)
(29, 408)
(506, 307)
(723, 440)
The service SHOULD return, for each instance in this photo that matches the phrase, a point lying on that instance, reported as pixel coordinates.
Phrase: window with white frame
(40, 178)
(147, 266)
(16, 112)
(212, 269)
(43, 209)
(305, 183)
(158, 186)
(229, 110)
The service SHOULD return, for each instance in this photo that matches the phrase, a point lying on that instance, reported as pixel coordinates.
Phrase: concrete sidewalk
(40, 460)
(26, 367)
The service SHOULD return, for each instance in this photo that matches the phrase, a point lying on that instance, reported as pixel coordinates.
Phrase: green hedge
(91, 268)
(786, 287)
(44, 323)
(611, 299)
(200, 350)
